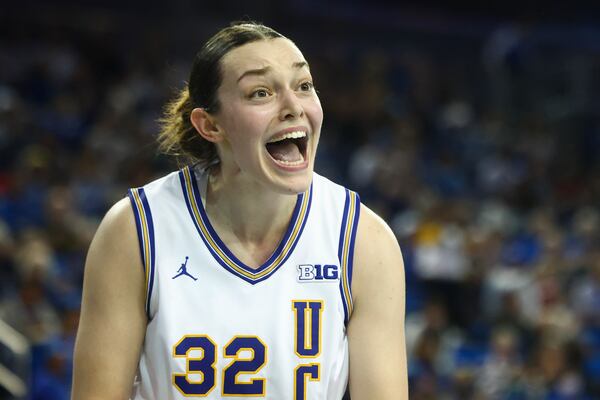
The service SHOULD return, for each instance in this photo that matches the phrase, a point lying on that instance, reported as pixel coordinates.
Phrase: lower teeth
(298, 162)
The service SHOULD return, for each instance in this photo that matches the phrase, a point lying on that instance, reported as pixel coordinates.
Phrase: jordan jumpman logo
(183, 270)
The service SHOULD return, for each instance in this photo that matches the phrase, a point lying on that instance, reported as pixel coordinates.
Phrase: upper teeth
(289, 135)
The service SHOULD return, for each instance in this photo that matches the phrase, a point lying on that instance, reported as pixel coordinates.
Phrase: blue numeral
(203, 366)
(256, 386)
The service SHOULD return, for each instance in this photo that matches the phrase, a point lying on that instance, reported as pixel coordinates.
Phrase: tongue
(285, 150)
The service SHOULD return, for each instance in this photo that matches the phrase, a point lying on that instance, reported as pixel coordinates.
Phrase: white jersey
(218, 328)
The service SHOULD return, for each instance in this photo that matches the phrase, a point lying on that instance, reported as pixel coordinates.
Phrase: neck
(253, 215)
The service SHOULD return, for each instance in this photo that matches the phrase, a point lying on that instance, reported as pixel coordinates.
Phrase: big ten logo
(318, 273)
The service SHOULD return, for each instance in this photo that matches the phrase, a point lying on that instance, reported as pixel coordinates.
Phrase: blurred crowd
(482, 153)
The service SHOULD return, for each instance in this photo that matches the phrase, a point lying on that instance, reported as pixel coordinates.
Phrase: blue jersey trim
(340, 251)
(145, 230)
(353, 239)
(219, 250)
(152, 247)
(138, 227)
(346, 244)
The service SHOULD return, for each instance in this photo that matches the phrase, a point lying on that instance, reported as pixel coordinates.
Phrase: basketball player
(244, 274)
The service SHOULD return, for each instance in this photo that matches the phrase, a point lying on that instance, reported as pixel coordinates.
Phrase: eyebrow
(263, 71)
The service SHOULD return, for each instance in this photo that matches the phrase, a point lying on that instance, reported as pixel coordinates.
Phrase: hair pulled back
(178, 136)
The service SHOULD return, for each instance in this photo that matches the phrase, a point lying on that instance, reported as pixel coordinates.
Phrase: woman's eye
(306, 86)
(260, 93)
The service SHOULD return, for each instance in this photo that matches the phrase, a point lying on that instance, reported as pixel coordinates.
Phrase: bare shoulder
(373, 233)
(118, 224)
(112, 312)
(116, 238)
(377, 254)
(114, 257)
(377, 356)
(114, 260)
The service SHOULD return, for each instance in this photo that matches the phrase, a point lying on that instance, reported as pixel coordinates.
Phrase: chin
(294, 184)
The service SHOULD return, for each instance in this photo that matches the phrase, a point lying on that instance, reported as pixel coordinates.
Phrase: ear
(206, 125)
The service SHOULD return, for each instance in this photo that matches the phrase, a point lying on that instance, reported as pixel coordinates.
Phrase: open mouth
(289, 149)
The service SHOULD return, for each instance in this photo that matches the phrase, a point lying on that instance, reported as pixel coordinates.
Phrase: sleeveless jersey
(218, 328)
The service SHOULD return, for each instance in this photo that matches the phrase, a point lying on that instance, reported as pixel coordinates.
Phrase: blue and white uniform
(218, 328)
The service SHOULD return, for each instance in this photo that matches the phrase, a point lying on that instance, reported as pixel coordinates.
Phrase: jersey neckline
(218, 249)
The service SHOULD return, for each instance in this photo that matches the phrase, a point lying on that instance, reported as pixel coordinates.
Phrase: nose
(291, 108)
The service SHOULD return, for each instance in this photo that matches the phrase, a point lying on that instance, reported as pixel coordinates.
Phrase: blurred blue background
(474, 131)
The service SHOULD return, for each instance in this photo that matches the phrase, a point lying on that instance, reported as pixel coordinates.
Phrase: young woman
(246, 273)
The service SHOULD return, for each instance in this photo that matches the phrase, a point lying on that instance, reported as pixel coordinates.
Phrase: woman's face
(270, 115)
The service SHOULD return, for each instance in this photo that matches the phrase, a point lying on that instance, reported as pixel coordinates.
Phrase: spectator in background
(502, 367)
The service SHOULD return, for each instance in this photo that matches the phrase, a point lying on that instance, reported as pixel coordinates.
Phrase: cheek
(315, 113)
(243, 125)
(245, 132)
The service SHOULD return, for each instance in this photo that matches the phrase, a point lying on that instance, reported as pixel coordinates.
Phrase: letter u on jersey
(308, 327)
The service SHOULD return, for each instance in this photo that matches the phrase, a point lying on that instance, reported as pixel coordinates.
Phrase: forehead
(273, 53)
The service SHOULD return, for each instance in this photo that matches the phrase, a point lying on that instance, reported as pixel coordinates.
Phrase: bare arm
(376, 329)
(113, 320)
